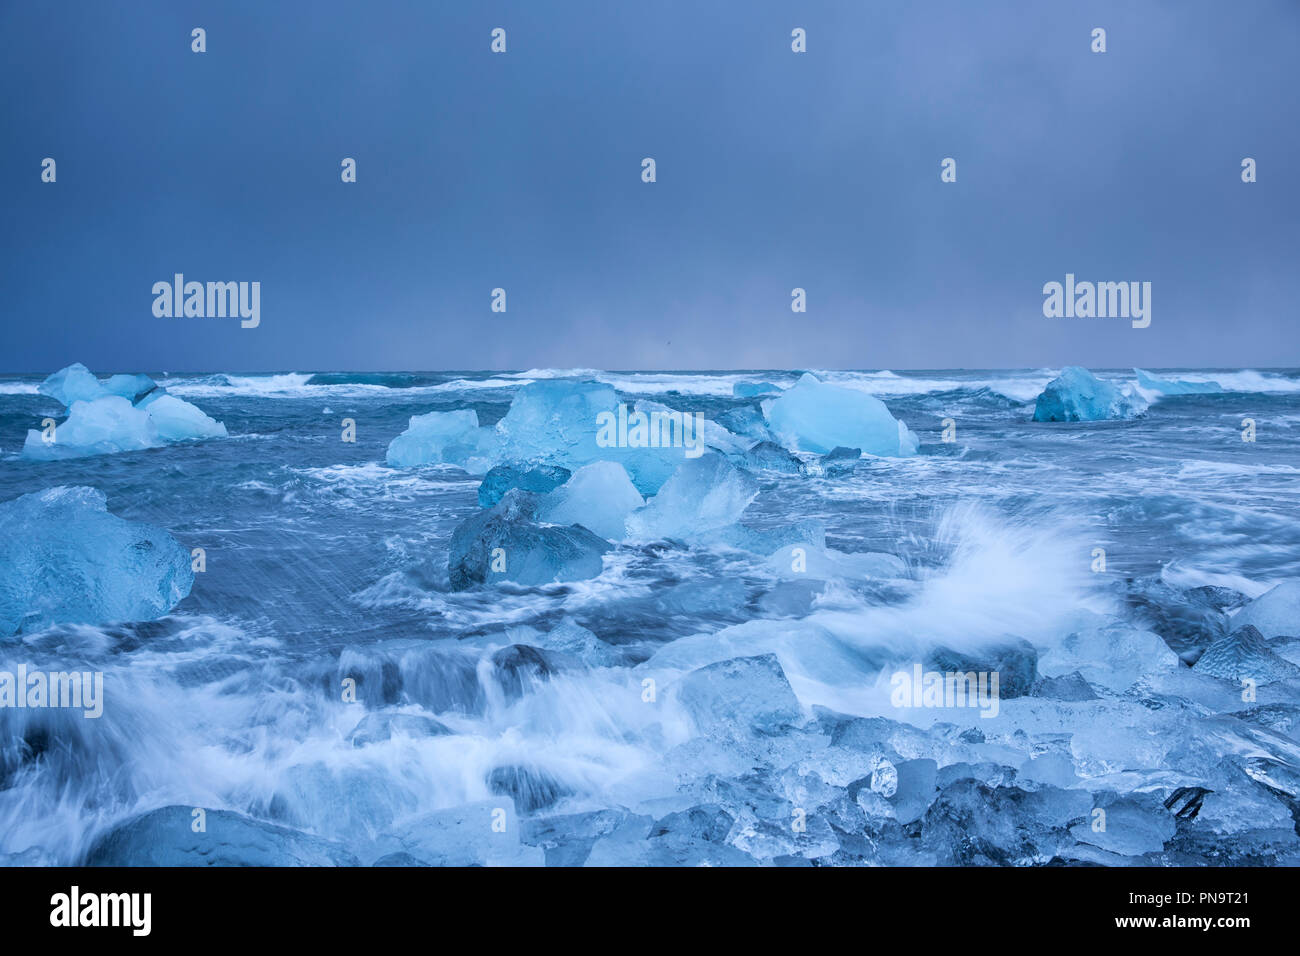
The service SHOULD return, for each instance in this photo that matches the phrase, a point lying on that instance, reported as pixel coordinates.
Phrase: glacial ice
(816, 417)
(558, 424)
(1276, 612)
(76, 383)
(1114, 656)
(599, 497)
(452, 438)
(506, 543)
(65, 559)
(740, 697)
(754, 389)
(1076, 395)
(131, 387)
(98, 427)
(1165, 386)
(703, 495)
(176, 420)
(501, 478)
(127, 413)
(1245, 654)
(166, 837)
(467, 835)
(769, 456)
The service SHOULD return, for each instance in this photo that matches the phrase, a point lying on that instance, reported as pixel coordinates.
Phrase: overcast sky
(522, 170)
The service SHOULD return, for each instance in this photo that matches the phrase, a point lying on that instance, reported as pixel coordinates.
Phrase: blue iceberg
(128, 413)
(754, 389)
(1275, 613)
(599, 497)
(1165, 386)
(817, 417)
(507, 543)
(1076, 395)
(451, 438)
(65, 559)
(703, 496)
(501, 478)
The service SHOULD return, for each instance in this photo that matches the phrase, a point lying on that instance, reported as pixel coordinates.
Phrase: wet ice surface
(719, 689)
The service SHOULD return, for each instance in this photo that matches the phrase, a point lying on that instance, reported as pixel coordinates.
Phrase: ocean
(324, 686)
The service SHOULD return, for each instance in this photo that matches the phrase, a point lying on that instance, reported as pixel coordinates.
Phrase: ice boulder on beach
(599, 497)
(131, 387)
(177, 420)
(817, 417)
(76, 383)
(702, 496)
(1245, 654)
(65, 559)
(1076, 395)
(501, 478)
(1174, 386)
(508, 543)
(99, 427)
(450, 438)
(1276, 612)
(126, 413)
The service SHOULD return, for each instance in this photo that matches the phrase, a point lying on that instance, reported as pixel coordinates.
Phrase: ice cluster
(125, 413)
(65, 559)
(1076, 395)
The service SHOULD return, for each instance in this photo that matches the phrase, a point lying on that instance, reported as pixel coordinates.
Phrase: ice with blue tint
(1165, 386)
(101, 426)
(599, 497)
(501, 478)
(167, 837)
(1244, 654)
(509, 543)
(1276, 612)
(754, 389)
(65, 559)
(133, 387)
(76, 383)
(1076, 395)
(703, 495)
(817, 417)
(126, 413)
(111, 424)
(177, 420)
(452, 438)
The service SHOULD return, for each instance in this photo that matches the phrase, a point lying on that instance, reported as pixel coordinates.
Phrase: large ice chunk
(599, 497)
(166, 837)
(103, 426)
(76, 383)
(132, 387)
(1276, 612)
(817, 417)
(1174, 386)
(506, 543)
(702, 496)
(177, 420)
(111, 424)
(65, 559)
(1076, 395)
(501, 478)
(1245, 654)
(452, 438)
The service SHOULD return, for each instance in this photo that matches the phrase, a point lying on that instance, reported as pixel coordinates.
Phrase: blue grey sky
(522, 170)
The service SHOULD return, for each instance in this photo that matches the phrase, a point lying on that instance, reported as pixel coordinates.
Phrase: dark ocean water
(325, 563)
